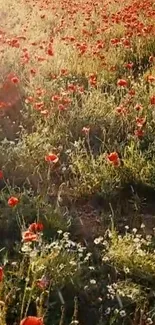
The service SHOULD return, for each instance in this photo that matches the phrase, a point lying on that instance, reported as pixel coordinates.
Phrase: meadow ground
(77, 162)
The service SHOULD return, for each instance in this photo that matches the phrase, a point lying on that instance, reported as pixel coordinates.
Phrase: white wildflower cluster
(149, 321)
(98, 240)
(111, 291)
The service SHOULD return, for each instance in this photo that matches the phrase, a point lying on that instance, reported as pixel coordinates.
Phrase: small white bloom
(100, 299)
(75, 322)
(92, 281)
(126, 270)
(136, 240)
(127, 227)
(149, 321)
(122, 313)
(98, 240)
(60, 232)
(73, 263)
(14, 264)
(76, 144)
(68, 151)
(26, 248)
(105, 259)
(107, 311)
(116, 311)
(114, 285)
(148, 237)
(66, 235)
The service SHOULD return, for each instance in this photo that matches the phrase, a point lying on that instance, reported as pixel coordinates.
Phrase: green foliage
(134, 253)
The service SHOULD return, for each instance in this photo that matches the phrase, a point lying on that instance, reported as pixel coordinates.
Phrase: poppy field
(77, 162)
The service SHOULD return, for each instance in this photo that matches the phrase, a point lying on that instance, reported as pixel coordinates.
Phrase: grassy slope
(68, 57)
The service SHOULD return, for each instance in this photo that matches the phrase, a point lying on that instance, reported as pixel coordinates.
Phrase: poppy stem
(62, 319)
(25, 289)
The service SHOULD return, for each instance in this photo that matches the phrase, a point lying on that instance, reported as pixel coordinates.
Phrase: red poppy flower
(151, 78)
(13, 201)
(138, 107)
(52, 158)
(151, 59)
(122, 83)
(132, 92)
(29, 236)
(114, 158)
(71, 87)
(1, 174)
(50, 52)
(1, 274)
(33, 71)
(139, 133)
(29, 99)
(140, 121)
(85, 130)
(61, 107)
(93, 79)
(31, 320)
(152, 100)
(64, 72)
(15, 80)
(115, 41)
(56, 98)
(36, 227)
(42, 283)
(129, 65)
(121, 110)
(39, 106)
